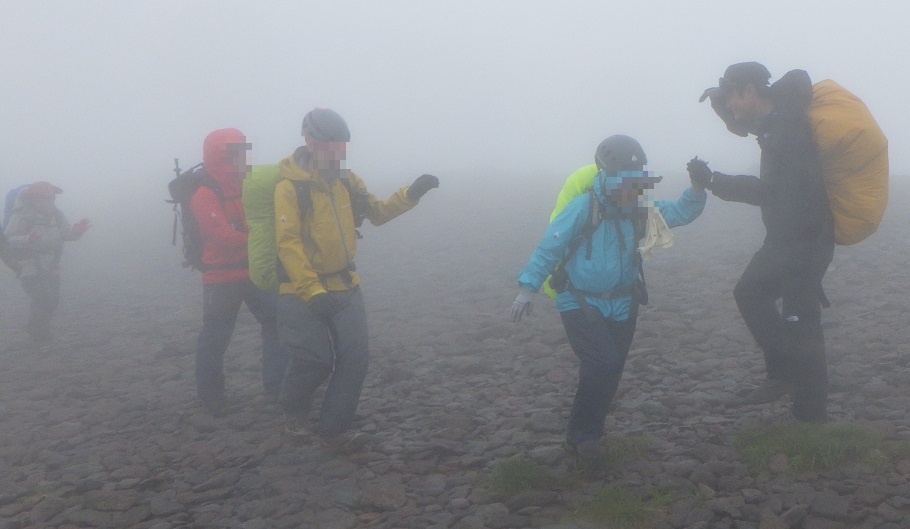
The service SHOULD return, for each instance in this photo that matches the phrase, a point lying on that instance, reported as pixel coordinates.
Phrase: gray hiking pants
(335, 349)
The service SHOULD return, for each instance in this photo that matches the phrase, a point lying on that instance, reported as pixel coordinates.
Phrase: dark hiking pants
(221, 303)
(791, 337)
(335, 349)
(602, 346)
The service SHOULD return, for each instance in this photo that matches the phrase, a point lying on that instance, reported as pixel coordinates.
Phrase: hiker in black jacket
(799, 244)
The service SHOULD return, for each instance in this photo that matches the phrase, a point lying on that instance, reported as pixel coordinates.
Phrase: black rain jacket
(790, 188)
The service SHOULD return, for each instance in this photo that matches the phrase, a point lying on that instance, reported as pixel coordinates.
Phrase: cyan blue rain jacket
(610, 268)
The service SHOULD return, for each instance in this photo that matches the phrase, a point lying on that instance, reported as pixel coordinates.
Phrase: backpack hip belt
(345, 274)
(610, 294)
(240, 265)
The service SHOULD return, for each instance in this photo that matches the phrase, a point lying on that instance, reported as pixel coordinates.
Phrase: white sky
(100, 96)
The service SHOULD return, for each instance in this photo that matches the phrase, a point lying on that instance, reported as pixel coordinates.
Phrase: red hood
(214, 158)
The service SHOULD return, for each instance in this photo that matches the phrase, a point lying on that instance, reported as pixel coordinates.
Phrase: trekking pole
(174, 232)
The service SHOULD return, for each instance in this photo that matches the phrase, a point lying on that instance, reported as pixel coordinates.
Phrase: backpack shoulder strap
(594, 216)
(594, 219)
(360, 204)
(205, 180)
(640, 226)
(590, 226)
(346, 180)
(304, 199)
(640, 289)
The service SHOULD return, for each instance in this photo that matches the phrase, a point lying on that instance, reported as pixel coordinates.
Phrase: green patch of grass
(617, 450)
(808, 447)
(517, 474)
(897, 450)
(624, 448)
(619, 508)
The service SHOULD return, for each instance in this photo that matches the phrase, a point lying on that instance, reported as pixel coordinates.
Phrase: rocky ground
(101, 429)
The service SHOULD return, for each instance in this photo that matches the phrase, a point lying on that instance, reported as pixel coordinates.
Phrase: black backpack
(182, 188)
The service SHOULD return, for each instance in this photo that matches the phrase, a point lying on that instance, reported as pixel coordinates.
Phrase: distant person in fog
(35, 234)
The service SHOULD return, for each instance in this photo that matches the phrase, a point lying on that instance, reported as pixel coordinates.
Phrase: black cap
(738, 75)
(325, 125)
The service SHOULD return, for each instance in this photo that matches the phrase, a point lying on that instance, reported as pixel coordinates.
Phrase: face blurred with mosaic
(624, 189)
(327, 154)
(236, 155)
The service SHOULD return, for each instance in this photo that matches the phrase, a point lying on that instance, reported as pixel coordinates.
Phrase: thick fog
(496, 98)
(502, 100)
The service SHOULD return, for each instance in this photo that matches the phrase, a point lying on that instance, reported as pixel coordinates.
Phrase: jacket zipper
(347, 256)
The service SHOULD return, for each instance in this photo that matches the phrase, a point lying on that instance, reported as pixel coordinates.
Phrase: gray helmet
(326, 125)
(620, 153)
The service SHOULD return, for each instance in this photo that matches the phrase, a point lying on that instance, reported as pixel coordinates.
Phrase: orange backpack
(854, 156)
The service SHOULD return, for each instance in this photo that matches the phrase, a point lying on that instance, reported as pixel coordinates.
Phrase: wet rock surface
(101, 428)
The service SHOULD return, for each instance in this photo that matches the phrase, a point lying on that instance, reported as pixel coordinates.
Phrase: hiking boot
(213, 407)
(785, 418)
(810, 420)
(591, 450)
(788, 418)
(590, 458)
(769, 391)
(295, 426)
(344, 443)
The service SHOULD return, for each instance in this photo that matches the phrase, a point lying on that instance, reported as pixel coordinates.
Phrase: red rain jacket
(221, 224)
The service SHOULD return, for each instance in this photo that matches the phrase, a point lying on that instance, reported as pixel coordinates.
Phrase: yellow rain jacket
(317, 252)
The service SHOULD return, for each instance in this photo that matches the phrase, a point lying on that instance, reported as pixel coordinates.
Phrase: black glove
(419, 188)
(323, 306)
(699, 173)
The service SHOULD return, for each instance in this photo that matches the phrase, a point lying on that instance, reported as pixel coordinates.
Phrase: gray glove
(522, 304)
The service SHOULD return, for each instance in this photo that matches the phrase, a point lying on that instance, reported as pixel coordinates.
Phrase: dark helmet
(620, 153)
(325, 125)
(737, 76)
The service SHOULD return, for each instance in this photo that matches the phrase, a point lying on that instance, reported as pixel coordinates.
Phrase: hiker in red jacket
(226, 284)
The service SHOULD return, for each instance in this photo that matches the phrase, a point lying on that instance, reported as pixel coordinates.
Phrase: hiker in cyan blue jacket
(591, 248)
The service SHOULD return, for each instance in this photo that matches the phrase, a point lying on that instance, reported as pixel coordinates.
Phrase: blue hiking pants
(601, 345)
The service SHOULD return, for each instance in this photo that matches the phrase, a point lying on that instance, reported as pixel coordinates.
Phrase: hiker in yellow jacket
(321, 314)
